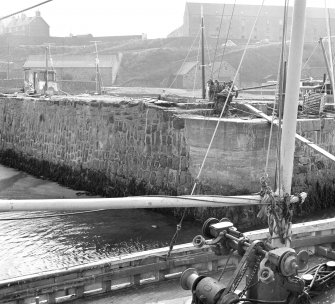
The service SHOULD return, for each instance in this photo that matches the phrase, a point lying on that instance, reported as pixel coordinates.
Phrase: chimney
(38, 14)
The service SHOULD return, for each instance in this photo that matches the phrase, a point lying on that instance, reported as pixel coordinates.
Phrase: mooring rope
(179, 225)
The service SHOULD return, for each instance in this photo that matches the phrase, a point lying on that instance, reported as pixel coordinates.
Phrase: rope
(188, 53)
(26, 9)
(229, 93)
(225, 44)
(217, 41)
(280, 82)
(225, 266)
(178, 228)
(281, 95)
(269, 143)
(310, 56)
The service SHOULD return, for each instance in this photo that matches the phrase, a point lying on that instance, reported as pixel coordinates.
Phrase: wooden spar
(331, 65)
(131, 202)
(297, 136)
(292, 96)
(326, 62)
(202, 55)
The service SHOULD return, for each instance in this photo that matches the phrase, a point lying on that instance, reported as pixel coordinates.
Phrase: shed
(79, 67)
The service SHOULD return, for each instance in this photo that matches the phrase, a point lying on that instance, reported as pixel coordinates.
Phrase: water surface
(29, 246)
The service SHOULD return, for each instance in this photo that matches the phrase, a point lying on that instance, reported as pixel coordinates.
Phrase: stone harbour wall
(126, 144)
(121, 147)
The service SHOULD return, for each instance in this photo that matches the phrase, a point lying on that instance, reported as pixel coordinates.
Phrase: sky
(156, 18)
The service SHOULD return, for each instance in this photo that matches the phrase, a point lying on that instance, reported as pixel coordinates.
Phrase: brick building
(79, 67)
(269, 25)
(27, 26)
(189, 75)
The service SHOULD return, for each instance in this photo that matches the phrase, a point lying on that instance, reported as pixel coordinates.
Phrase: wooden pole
(326, 62)
(305, 141)
(129, 203)
(292, 95)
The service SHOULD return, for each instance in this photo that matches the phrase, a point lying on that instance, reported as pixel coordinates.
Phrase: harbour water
(34, 242)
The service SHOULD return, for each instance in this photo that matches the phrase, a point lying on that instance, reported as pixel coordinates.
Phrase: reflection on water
(30, 246)
(35, 245)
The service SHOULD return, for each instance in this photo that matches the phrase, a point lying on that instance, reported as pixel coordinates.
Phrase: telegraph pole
(97, 70)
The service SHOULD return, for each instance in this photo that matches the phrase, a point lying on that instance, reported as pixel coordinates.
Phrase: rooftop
(71, 61)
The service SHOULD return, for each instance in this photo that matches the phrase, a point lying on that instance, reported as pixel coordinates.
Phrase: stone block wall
(130, 147)
(126, 142)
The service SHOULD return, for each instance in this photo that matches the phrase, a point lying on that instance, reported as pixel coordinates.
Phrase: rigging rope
(308, 59)
(227, 36)
(217, 41)
(189, 51)
(281, 83)
(178, 228)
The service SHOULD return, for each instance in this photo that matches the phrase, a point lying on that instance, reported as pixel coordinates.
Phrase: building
(269, 26)
(27, 26)
(78, 67)
(189, 75)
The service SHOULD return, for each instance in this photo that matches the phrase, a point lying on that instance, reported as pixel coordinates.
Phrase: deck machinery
(270, 273)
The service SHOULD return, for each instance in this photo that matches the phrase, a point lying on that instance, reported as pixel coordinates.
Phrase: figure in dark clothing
(223, 98)
(211, 91)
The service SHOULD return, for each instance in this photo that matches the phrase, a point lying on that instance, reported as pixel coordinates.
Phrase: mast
(326, 62)
(202, 55)
(46, 69)
(280, 228)
(292, 95)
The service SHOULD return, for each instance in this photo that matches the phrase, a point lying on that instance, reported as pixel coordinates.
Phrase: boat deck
(170, 292)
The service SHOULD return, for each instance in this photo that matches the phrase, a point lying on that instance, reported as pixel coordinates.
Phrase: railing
(140, 268)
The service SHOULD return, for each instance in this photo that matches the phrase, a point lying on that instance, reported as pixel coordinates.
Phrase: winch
(270, 273)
